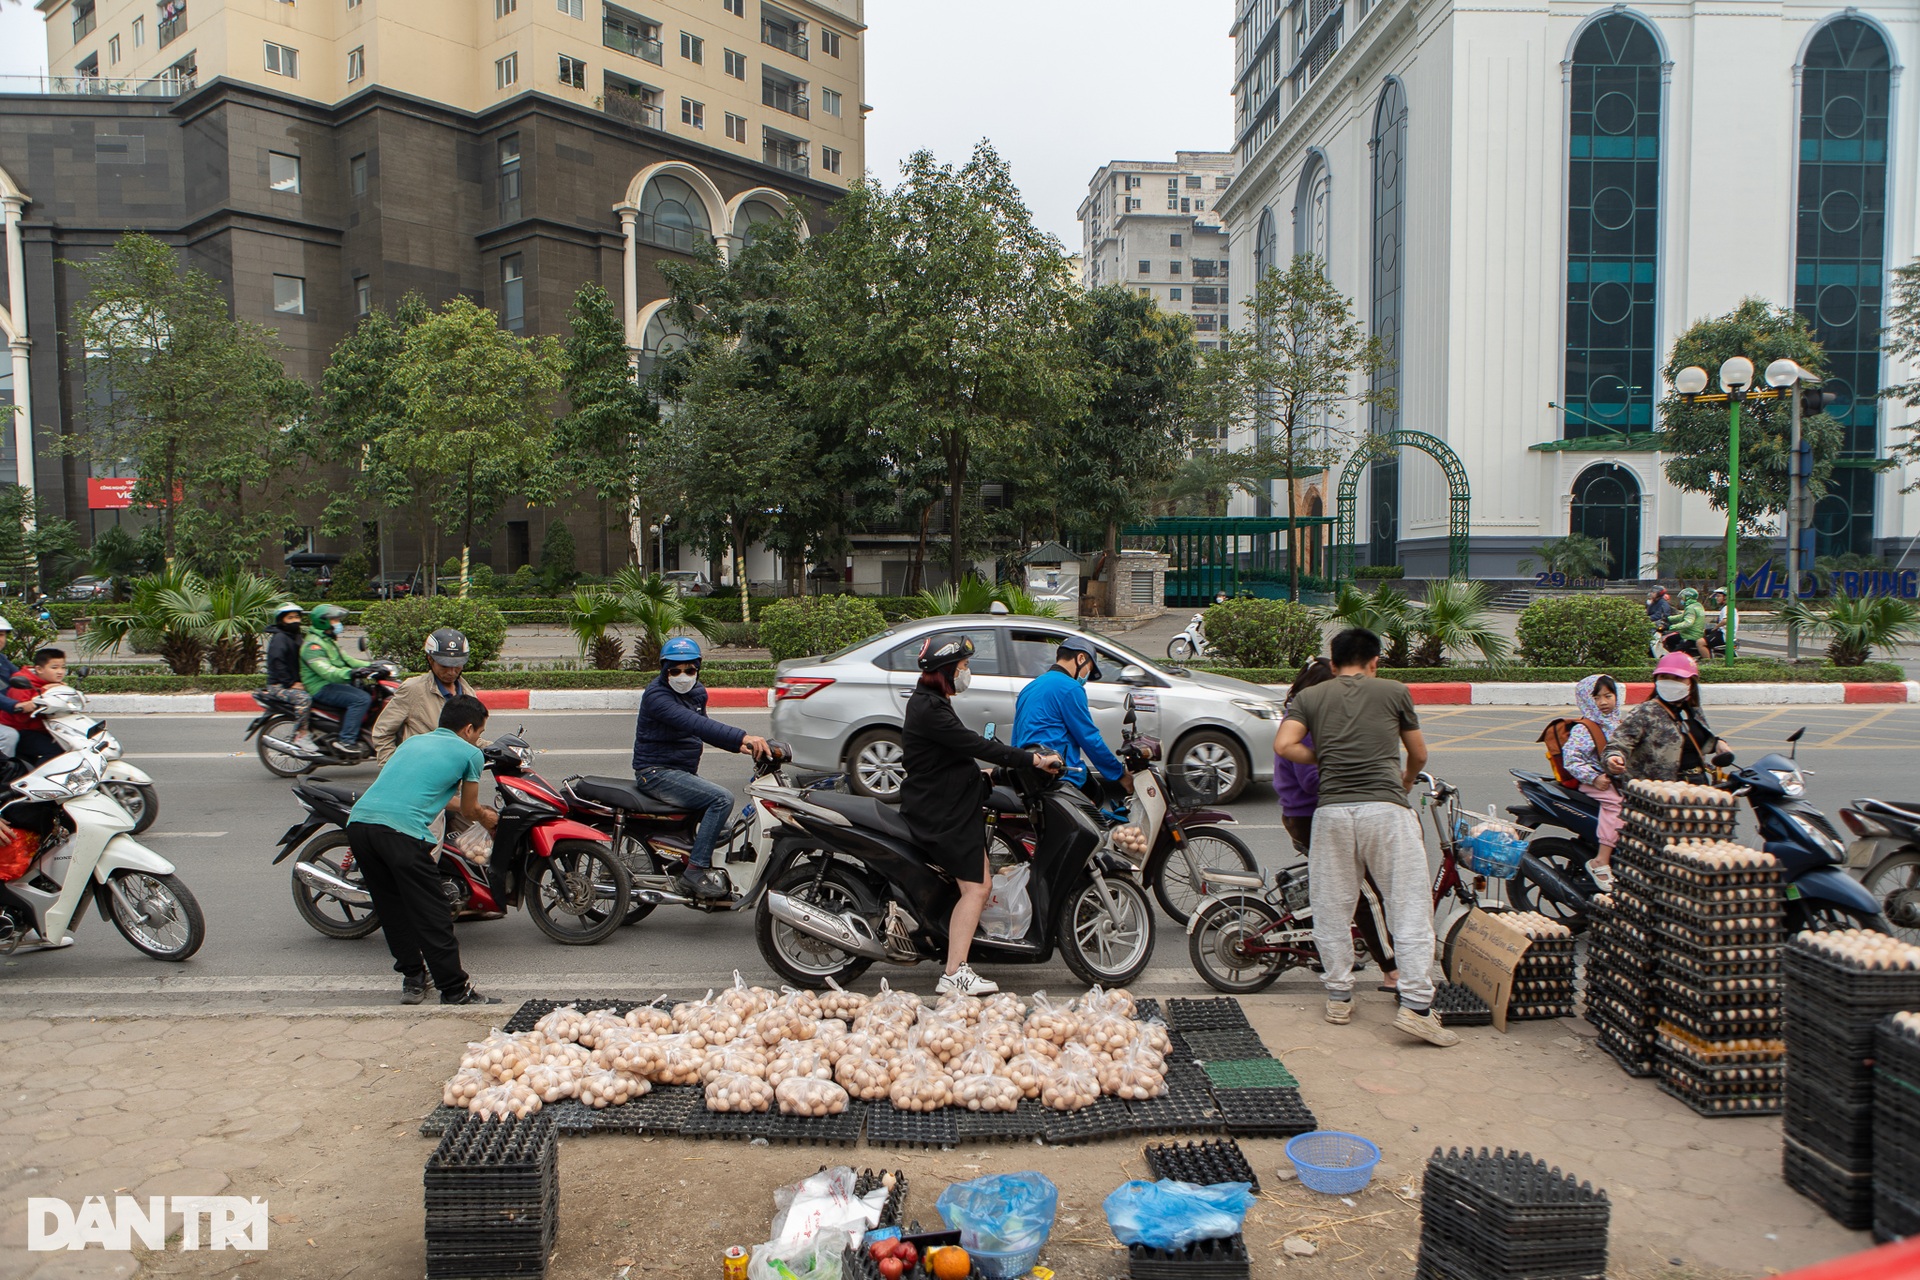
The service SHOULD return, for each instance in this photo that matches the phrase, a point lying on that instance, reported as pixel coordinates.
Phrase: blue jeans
(690, 791)
(352, 703)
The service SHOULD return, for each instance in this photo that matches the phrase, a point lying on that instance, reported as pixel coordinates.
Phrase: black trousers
(414, 913)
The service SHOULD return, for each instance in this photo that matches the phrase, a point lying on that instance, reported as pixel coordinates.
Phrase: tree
(1903, 344)
(477, 424)
(610, 416)
(34, 546)
(1695, 435)
(557, 570)
(1131, 433)
(361, 406)
(1287, 377)
(196, 400)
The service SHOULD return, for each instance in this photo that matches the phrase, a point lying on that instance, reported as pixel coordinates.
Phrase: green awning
(1613, 442)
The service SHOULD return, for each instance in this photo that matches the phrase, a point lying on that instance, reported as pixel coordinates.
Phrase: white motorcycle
(63, 710)
(86, 854)
(1191, 644)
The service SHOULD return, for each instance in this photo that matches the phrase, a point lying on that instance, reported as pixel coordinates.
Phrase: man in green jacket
(1690, 624)
(327, 673)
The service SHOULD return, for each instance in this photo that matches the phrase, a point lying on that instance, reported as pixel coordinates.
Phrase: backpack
(1555, 735)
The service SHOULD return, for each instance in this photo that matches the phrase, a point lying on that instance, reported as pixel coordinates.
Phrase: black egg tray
(1540, 1248)
(1022, 1125)
(494, 1146)
(1543, 1012)
(1610, 983)
(1514, 1185)
(1884, 990)
(1844, 1136)
(473, 1223)
(1681, 969)
(1624, 1055)
(867, 1179)
(1177, 1113)
(1225, 1046)
(703, 1123)
(1442, 1261)
(1846, 1197)
(1671, 933)
(569, 1116)
(1204, 1164)
(663, 1109)
(1896, 1100)
(1767, 1028)
(531, 1261)
(533, 1010)
(1446, 1255)
(1830, 1077)
(1732, 993)
(1459, 1007)
(1720, 1105)
(1225, 1258)
(1107, 1118)
(1690, 1072)
(1708, 1014)
(438, 1120)
(1708, 1056)
(1901, 1040)
(1895, 1217)
(1147, 1010)
(891, 1127)
(1896, 1052)
(1177, 1048)
(1223, 1014)
(1265, 1113)
(842, 1130)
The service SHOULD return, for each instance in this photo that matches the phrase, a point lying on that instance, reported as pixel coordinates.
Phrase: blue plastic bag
(1172, 1215)
(1002, 1213)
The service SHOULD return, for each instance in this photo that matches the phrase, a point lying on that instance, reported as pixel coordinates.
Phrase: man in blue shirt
(391, 833)
(1052, 714)
(668, 737)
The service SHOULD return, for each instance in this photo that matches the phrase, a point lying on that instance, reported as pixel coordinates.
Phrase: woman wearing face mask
(1665, 738)
(942, 796)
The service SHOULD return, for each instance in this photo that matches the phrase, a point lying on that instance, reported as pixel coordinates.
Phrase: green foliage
(28, 634)
(652, 606)
(398, 629)
(975, 594)
(611, 418)
(1455, 618)
(352, 577)
(1372, 572)
(1386, 613)
(590, 617)
(1856, 627)
(1903, 344)
(119, 555)
(1595, 632)
(1263, 633)
(48, 554)
(723, 634)
(557, 568)
(361, 405)
(1695, 436)
(188, 620)
(480, 580)
(1576, 556)
(810, 625)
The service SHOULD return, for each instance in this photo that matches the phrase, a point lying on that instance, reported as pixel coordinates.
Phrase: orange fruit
(951, 1263)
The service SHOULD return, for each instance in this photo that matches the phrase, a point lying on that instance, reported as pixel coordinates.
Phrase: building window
(572, 8)
(283, 172)
(362, 295)
(283, 60)
(1206, 322)
(1311, 211)
(693, 113)
(738, 8)
(673, 216)
(1839, 268)
(510, 176)
(139, 33)
(1206, 294)
(1220, 184)
(830, 42)
(735, 64)
(353, 4)
(1133, 204)
(1193, 182)
(1133, 182)
(692, 47)
(506, 71)
(1146, 292)
(830, 159)
(573, 72)
(357, 175)
(1173, 268)
(1173, 241)
(513, 293)
(1146, 268)
(1613, 216)
(830, 100)
(501, 8)
(1389, 279)
(113, 52)
(356, 63)
(1173, 295)
(290, 295)
(736, 128)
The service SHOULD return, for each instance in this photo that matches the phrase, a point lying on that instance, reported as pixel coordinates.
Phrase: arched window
(1266, 247)
(753, 214)
(672, 215)
(1840, 250)
(1312, 208)
(1389, 147)
(663, 336)
(1613, 217)
(1606, 507)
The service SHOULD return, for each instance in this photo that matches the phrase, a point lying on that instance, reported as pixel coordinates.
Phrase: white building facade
(1529, 202)
(1154, 226)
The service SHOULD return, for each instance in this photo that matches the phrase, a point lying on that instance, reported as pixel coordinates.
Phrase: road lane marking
(182, 835)
(1855, 727)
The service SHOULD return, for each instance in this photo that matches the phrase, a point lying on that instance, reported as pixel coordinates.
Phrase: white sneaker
(1602, 876)
(1425, 1026)
(964, 981)
(1340, 1012)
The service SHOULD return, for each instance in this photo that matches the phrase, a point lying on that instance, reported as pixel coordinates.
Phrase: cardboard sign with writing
(1485, 954)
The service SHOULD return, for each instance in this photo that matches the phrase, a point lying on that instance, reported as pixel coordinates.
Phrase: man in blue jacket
(667, 740)
(1052, 714)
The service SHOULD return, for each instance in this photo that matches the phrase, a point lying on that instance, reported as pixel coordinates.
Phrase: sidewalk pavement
(317, 1111)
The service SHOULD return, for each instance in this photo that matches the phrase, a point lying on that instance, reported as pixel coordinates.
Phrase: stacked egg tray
(1204, 1164)
(1619, 986)
(1839, 987)
(1456, 1006)
(1896, 1112)
(1225, 1258)
(1252, 1092)
(492, 1198)
(1493, 1215)
(1720, 1078)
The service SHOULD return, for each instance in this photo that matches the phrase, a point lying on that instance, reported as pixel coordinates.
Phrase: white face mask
(682, 684)
(1671, 690)
(961, 679)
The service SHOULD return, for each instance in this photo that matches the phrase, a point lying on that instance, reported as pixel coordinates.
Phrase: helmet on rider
(1677, 664)
(330, 618)
(944, 651)
(447, 648)
(284, 608)
(679, 649)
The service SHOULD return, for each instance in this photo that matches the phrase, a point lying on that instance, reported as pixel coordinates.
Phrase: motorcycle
(1885, 854)
(87, 855)
(847, 886)
(273, 730)
(1553, 877)
(1191, 644)
(573, 886)
(63, 710)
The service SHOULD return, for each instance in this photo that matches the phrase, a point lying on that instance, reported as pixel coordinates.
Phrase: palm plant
(1020, 601)
(653, 607)
(240, 609)
(1385, 613)
(1855, 627)
(591, 616)
(972, 594)
(1454, 618)
(1576, 556)
(170, 612)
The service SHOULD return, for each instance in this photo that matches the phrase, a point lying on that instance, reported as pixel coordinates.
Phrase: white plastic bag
(825, 1203)
(476, 842)
(1009, 911)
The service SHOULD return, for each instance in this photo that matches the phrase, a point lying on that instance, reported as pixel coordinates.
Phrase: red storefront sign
(114, 493)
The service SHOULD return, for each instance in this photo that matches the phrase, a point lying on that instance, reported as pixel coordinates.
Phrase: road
(221, 813)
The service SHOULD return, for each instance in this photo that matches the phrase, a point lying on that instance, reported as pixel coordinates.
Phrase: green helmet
(1686, 597)
(323, 614)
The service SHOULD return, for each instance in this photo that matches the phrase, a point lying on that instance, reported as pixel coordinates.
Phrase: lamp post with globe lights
(1785, 377)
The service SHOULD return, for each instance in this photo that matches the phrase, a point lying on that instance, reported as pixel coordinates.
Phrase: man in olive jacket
(415, 706)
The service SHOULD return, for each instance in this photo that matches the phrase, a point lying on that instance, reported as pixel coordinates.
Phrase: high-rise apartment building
(1152, 226)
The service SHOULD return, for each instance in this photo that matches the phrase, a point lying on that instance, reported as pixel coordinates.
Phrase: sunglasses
(683, 671)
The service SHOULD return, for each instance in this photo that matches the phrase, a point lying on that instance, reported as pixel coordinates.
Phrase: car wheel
(876, 765)
(1210, 766)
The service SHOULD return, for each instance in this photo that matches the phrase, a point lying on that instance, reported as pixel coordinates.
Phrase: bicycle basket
(1488, 847)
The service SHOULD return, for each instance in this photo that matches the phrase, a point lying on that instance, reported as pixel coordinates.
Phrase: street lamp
(1690, 381)
(1736, 375)
(1785, 376)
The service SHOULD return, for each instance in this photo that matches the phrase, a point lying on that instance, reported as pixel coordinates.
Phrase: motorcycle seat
(1006, 800)
(1568, 795)
(1907, 809)
(622, 793)
(865, 812)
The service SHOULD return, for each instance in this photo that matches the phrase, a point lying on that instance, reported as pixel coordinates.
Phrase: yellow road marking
(1855, 727)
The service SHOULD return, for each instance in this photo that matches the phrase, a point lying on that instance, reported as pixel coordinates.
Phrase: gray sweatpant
(1349, 839)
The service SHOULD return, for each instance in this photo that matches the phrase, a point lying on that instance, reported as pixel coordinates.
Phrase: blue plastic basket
(1493, 854)
(1004, 1266)
(1334, 1163)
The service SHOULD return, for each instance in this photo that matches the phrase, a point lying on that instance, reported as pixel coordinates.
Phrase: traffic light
(1814, 401)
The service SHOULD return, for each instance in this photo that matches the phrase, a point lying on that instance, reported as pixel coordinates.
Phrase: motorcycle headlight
(1789, 780)
(62, 778)
(1258, 707)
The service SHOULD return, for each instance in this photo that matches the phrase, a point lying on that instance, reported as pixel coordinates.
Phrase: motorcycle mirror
(1723, 759)
(1793, 742)
(19, 682)
(989, 731)
(363, 644)
(79, 673)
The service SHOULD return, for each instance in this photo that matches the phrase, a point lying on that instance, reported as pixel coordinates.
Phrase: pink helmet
(1677, 664)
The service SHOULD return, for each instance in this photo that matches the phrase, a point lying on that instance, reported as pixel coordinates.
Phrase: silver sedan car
(842, 713)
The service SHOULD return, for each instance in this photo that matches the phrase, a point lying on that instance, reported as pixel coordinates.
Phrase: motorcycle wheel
(1111, 952)
(157, 914)
(1177, 887)
(1217, 946)
(638, 862)
(1804, 916)
(326, 913)
(577, 894)
(1569, 860)
(801, 959)
(279, 763)
(1895, 881)
(141, 803)
(1179, 649)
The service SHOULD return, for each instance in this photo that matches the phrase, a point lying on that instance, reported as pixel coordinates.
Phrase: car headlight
(1789, 780)
(1258, 707)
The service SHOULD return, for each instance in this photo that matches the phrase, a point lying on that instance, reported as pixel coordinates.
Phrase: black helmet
(944, 651)
(447, 647)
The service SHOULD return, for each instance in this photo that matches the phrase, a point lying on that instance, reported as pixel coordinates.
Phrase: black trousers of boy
(415, 916)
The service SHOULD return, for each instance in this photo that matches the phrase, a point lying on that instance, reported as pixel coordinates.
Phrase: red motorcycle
(273, 729)
(573, 886)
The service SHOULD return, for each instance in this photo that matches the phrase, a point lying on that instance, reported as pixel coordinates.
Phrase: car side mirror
(363, 644)
(1133, 673)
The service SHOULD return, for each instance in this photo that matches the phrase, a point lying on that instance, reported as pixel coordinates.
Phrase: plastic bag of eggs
(1130, 839)
(739, 1058)
(651, 1018)
(807, 1096)
(925, 1087)
(564, 1023)
(737, 1091)
(864, 1075)
(986, 1091)
(463, 1084)
(503, 1057)
(798, 1058)
(552, 1081)
(514, 1100)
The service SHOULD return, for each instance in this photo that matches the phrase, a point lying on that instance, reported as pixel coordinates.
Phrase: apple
(892, 1268)
(880, 1249)
(907, 1254)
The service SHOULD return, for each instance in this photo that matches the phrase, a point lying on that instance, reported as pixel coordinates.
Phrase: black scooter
(1553, 877)
(852, 888)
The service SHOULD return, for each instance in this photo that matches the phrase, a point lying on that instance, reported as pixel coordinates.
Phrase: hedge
(1261, 632)
(1592, 631)
(817, 624)
(750, 678)
(1718, 673)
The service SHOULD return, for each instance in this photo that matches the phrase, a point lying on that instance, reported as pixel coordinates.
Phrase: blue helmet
(679, 649)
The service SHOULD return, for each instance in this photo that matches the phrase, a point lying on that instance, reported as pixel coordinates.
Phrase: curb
(137, 704)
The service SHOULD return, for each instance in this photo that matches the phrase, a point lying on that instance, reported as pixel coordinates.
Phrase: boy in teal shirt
(391, 833)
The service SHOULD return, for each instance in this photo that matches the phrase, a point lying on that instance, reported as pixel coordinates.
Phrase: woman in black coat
(944, 793)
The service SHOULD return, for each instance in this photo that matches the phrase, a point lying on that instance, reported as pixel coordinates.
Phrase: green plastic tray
(1251, 1073)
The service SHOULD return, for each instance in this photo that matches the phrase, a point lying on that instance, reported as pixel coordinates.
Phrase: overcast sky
(1059, 86)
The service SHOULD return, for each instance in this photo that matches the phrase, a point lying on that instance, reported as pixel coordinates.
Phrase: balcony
(164, 86)
(787, 98)
(171, 28)
(616, 36)
(83, 24)
(786, 39)
(791, 159)
(633, 110)
(666, 235)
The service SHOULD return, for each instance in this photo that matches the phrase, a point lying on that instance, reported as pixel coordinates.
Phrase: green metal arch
(1459, 499)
